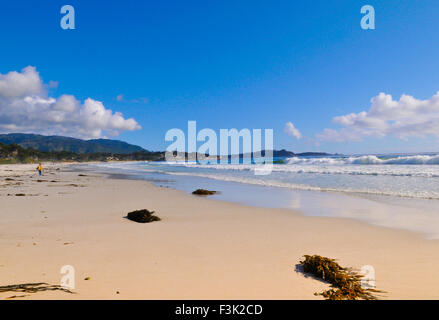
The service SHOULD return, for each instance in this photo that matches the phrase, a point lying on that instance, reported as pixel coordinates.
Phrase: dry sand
(202, 248)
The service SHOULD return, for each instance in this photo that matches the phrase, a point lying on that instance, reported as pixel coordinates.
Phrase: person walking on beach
(40, 169)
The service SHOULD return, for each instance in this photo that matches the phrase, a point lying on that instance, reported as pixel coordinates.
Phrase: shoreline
(202, 249)
(408, 214)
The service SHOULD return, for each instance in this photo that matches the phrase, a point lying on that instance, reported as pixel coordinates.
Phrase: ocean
(398, 191)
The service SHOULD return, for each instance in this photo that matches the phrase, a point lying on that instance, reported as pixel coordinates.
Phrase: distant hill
(105, 146)
(59, 143)
(289, 154)
(13, 153)
(181, 156)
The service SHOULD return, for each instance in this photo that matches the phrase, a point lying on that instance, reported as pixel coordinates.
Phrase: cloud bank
(26, 107)
(408, 117)
(292, 131)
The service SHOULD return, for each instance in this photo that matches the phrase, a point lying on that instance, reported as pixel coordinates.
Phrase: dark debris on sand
(142, 216)
(203, 192)
(345, 282)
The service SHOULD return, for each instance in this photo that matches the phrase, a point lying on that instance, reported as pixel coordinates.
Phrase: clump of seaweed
(345, 282)
(203, 192)
(142, 216)
(32, 288)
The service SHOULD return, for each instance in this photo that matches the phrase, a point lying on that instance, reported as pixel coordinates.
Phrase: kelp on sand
(345, 282)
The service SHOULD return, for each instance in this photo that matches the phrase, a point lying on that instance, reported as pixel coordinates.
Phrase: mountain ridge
(61, 143)
(103, 146)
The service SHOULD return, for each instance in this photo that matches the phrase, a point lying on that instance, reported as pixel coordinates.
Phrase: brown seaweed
(203, 192)
(345, 282)
(142, 216)
(33, 288)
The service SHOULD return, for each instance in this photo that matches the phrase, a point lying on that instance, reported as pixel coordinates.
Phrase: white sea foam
(337, 166)
(369, 160)
(413, 176)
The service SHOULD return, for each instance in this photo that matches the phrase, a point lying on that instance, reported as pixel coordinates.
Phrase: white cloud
(408, 117)
(26, 107)
(292, 131)
(15, 84)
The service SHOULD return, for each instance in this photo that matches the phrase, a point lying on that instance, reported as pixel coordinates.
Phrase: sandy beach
(202, 248)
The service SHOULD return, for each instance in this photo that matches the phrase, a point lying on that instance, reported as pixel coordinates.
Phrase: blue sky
(234, 64)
